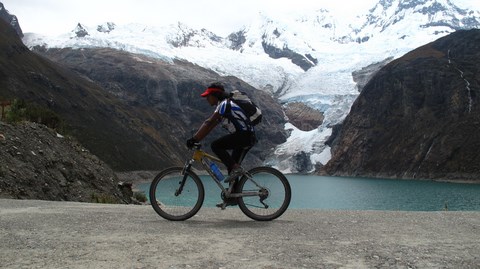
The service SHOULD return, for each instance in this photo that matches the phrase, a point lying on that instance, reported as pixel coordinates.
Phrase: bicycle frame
(204, 158)
(168, 185)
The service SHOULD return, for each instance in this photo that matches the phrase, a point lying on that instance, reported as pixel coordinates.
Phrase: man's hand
(191, 142)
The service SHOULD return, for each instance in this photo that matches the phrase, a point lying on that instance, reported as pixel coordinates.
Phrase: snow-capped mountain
(307, 57)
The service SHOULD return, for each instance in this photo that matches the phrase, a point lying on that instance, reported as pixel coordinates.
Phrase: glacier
(338, 47)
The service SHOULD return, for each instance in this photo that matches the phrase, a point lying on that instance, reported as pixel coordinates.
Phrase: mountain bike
(177, 193)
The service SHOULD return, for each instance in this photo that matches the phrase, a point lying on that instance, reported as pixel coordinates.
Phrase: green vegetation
(103, 198)
(21, 110)
(140, 196)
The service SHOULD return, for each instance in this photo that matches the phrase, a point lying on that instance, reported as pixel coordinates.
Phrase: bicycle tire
(279, 194)
(174, 207)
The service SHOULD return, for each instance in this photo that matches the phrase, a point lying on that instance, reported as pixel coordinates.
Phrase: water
(319, 192)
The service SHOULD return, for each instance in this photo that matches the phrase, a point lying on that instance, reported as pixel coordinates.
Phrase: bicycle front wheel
(267, 194)
(176, 196)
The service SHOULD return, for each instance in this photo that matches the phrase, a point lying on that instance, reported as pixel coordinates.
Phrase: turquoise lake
(320, 192)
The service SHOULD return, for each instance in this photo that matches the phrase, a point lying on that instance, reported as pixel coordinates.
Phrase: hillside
(172, 92)
(130, 94)
(317, 57)
(98, 119)
(133, 112)
(38, 163)
(418, 117)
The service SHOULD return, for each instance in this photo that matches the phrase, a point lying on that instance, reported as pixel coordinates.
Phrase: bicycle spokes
(176, 194)
(265, 195)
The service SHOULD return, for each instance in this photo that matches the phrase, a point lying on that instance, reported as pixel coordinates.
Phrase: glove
(191, 142)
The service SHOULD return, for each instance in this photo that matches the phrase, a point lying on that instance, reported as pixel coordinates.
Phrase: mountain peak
(106, 27)
(10, 19)
(308, 58)
(393, 17)
(80, 30)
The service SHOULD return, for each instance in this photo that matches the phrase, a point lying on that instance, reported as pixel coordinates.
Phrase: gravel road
(46, 234)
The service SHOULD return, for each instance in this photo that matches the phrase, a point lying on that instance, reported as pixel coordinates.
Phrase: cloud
(59, 16)
(219, 16)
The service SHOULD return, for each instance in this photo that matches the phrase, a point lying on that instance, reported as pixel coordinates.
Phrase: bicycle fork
(186, 168)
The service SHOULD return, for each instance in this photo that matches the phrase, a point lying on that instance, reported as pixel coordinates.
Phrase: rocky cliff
(303, 117)
(38, 163)
(167, 97)
(418, 117)
(11, 20)
(133, 112)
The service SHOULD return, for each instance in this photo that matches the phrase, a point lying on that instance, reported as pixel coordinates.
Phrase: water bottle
(216, 171)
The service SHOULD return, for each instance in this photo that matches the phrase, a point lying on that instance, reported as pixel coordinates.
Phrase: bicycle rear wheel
(171, 203)
(274, 194)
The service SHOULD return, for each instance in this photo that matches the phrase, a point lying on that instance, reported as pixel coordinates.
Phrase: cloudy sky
(220, 16)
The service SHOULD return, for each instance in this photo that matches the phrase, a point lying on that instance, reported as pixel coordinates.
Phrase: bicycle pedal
(222, 206)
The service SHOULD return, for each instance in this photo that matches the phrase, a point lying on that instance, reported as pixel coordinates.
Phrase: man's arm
(207, 126)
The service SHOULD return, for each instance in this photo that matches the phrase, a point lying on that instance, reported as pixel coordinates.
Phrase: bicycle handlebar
(196, 146)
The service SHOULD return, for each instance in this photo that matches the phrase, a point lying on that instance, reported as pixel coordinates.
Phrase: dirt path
(43, 234)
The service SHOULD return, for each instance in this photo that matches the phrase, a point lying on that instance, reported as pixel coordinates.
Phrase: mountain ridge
(132, 111)
(10, 19)
(417, 117)
(292, 58)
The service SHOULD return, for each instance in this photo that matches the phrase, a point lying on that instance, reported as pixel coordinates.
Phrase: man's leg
(238, 143)
(220, 147)
(245, 141)
(239, 154)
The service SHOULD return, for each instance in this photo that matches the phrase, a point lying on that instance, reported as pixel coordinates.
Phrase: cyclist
(242, 134)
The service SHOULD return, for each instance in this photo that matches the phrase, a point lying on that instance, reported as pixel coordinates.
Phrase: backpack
(253, 113)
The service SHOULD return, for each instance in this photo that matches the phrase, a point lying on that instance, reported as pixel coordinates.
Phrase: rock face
(418, 117)
(303, 117)
(362, 76)
(167, 97)
(38, 163)
(133, 112)
(80, 31)
(10, 19)
(303, 61)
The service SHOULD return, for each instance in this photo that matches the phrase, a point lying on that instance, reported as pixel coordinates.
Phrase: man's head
(214, 93)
